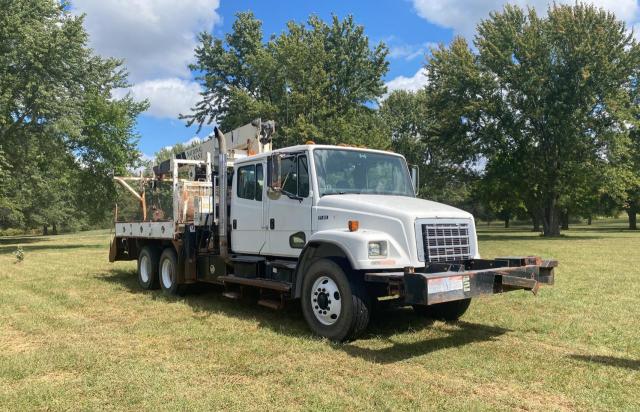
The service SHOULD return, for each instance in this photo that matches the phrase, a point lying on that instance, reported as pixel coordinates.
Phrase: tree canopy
(538, 118)
(319, 80)
(544, 102)
(62, 134)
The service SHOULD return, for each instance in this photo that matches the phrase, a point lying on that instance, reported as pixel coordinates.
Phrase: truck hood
(397, 206)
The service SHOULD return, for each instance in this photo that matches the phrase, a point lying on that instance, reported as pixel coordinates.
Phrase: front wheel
(447, 311)
(333, 305)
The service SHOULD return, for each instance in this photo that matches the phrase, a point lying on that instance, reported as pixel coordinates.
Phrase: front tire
(333, 305)
(168, 268)
(447, 311)
(148, 268)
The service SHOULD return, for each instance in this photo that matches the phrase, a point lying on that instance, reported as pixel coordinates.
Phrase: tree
(62, 134)
(317, 80)
(418, 134)
(549, 95)
(632, 199)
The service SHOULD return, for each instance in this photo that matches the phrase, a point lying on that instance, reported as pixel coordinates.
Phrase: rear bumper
(445, 282)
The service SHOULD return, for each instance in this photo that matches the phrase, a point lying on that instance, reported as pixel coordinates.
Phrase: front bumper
(445, 282)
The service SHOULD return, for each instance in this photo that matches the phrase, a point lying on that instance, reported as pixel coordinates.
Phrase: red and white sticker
(447, 284)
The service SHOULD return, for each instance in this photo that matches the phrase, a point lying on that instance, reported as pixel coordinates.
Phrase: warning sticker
(448, 284)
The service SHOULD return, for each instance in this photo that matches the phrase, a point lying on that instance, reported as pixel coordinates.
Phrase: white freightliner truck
(336, 227)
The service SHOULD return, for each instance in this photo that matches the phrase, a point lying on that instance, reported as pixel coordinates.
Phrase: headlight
(378, 249)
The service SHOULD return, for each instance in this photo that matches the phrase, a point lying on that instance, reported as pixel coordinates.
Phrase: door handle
(272, 223)
(235, 223)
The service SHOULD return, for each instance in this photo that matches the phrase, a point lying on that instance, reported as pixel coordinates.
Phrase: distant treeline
(538, 120)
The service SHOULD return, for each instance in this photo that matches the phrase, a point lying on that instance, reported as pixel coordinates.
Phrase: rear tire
(335, 307)
(148, 268)
(447, 311)
(168, 271)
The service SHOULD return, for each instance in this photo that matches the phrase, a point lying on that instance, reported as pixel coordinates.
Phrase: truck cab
(361, 201)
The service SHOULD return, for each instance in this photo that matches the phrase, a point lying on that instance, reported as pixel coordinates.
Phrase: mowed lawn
(77, 333)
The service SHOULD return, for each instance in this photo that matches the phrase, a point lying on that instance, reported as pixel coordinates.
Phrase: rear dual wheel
(169, 272)
(157, 269)
(148, 268)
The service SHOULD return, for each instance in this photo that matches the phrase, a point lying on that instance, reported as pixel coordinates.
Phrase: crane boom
(247, 140)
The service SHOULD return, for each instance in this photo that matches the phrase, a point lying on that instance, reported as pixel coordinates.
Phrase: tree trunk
(589, 220)
(551, 218)
(506, 222)
(632, 211)
(54, 229)
(45, 230)
(535, 220)
(565, 221)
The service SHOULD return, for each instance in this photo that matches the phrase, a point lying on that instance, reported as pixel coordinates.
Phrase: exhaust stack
(222, 178)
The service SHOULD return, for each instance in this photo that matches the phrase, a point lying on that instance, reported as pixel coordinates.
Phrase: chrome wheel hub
(326, 301)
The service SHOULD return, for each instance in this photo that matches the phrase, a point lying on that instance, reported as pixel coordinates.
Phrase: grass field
(76, 333)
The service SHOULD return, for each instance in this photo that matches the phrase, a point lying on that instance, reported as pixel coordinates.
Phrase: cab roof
(311, 147)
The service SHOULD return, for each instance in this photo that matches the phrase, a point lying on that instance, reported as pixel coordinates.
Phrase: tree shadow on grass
(633, 364)
(207, 299)
(4, 250)
(21, 240)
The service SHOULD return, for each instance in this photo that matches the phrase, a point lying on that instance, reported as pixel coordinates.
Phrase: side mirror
(415, 179)
(274, 167)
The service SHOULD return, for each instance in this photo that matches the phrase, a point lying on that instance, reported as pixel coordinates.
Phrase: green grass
(76, 333)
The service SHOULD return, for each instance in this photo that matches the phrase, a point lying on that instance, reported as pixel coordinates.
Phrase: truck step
(284, 264)
(232, 295)
(270, 303)
(259, 283)
(247, 259)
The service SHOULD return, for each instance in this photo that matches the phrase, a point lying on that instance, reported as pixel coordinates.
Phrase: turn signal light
(353, 225)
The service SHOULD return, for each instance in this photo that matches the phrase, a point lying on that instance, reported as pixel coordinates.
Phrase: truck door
(248, 230)
(289, 212)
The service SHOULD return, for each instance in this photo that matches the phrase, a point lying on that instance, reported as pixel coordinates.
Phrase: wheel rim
(167, 273)
(145, 268)
(326, 300)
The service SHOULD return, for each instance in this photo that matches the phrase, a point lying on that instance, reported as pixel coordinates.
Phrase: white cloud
(155, 37)
(168, 97)
(463, 15)
(413, 83)
(636, 31)
(147, 158)
(410, 51)
(194, 139)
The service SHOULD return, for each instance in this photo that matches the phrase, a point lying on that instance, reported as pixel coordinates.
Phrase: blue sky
(156, 39)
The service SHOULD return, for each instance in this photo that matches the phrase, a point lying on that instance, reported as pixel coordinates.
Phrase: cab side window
(290, 175)
(246, 183)
(293, 175)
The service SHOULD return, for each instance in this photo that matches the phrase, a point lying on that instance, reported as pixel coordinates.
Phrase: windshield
(350, 171)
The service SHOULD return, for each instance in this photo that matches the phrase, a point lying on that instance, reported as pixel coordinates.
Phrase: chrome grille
(445, 242)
